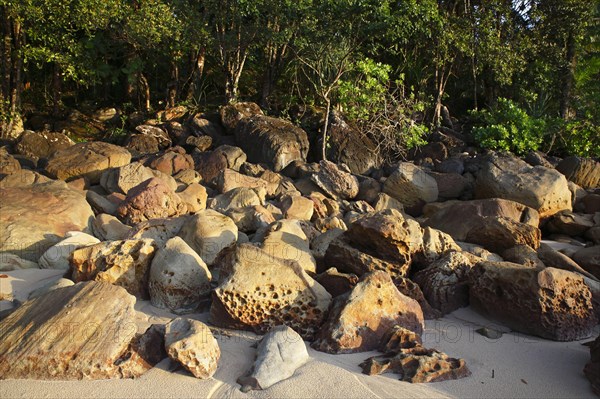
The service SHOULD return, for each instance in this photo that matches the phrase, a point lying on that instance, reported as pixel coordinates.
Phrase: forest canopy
(524, 73)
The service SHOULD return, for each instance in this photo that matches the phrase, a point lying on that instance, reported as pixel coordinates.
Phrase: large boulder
(551, 303)
(273, 141)
(172, 161)
(258, 291)
(79, 332)
(280, 352)
(494, 223)
(231, 114)
(57, 256)
(151, 199)
(35, 217)
(124, 178)
(335, 182)
(209, 232)
(41, 145)
(506, 177)
(192, 344)
(584, 172)
(8, 164)
(179, 279)
(124, 263)
(285, 239)
(87, 160)
(236, 198)
(411, 185)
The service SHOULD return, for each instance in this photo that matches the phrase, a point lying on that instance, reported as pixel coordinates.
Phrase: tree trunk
(325, 127)
(567, 78)
(197, 62)
(145, 89)
(56, 90)
(172, 86)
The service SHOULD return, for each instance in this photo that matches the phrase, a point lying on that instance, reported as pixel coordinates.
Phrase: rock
(542, 189)
(159, 230)
(237, 198)
(551, 303)
(347, 145)
(523, 255)
(258, 291)
(140, 145)
(280, 352)
(210, 164)
(231, 114)
(330, 223)
(553, 258)
(384, 201)
(297, 207)
(398, 338)
(569, 223)
(285, 239)
(194, 197)
(203, 125)
(410, 185)
(336, 283)
(320, 244)
(100, 203)
(57, 256)
(172, 162)
(192, 344)
(417, 365)
(8, 164)
(591, 203)
(124, 263)
(229, 179)
(21, 178)
(450, 185)
(251, 218)
(592, 368)
(124, 178)
(359, 320)
(445, 281)
(45, 338)
(436, 243)
(33, 218)
(87, 160)
(584, 172)
(9, 262)
(41, 145)
(151, 199)
(161, 137)
(201, 143)
(109, 228)
(179, 278)
(335, 182)
(53, 285)
(494, 223)
(589, 259)
(209, 232)
(188, 176)
(273, 141)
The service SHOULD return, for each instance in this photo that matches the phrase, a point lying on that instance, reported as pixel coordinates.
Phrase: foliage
(581, 137)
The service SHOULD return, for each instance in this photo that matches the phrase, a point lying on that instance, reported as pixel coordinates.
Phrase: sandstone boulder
(33, 218)
(589, 259)
(124, 178)
(192, 344)
(411, 185)
(172, 161)
(159, 230)
(359, 320)
(285, 239)
(258, 291)
(584, 172)
(297, 207)
(335, 182)
(161, 136)
(229, 179)
(179, 278)
(251, 218)
(231, 114)
(194, 197)
(57, 256)
(87, 160)
(8, 164)
(551, 303)
(240, 197)
(20, 178)
(41, 145)
(273, 141)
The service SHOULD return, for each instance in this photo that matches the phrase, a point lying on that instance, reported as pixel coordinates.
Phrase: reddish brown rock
(173, 161)
(336, 283)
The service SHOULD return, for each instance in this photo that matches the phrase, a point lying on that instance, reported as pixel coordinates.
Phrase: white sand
(515, 365)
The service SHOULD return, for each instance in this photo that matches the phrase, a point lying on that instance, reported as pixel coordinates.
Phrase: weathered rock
(436, 243)
(589, 259)
(51, 286)
(231, 114)
(336, 283)
(445, 281)
(237, 198)
(179, 279)
(8, 164)
(209, 232)
(412, 290)
(41, 145)
(592, 368)
(584, 172)
(552, 258)
(542, 189)
(569, 223)
(273, 141)
(417, 365)
(124, 178)
(194, 197)
(384, 201)
(297, 207)
(202, 143)
(140, 145)
(151, 199)
(523, 255)
(499, 234)
(411, 185)
(188, 176)
(359, 320)
(10, 262)
(258, 291)
(45, 338)
(251, 218)
(335, 182)
(398, 338)
(101, 203)
(87, 160)
(33, 218)
(285, 239)
(450, 185)
(173, 161)
(551, 303)
(159, 230)
(229, 179)
(21, 178)
(124, 263)
(57, 256)
(109, 228)
(280, 352)
(161, 136)
(192, 344)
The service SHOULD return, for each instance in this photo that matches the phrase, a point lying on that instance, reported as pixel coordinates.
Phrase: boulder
(87, 160)
(273, 141)
(251, 218)
(258, 292)
(8, 164)
(584, 172)
(124, 263)
(41, 145)
(359, 320)
(188, 176)
(173, 161)
(151, 199)
(33, 218)
(124, 178)
(412, 290)
(280, 352)
(285, 239)
(335, 182)
(57, 256)
(297, 207)
(551, 303)
(140, 145)
(179, 278)
(21, 178)
(73, 333)
(411, 185)
(240, 197)
(589, 259)
(450, 185)
(51, 286)
(506, 177)
(569, 223)
(9, 262)
(194, 197)
(229, 179)
(553, 258)
(159, 230)
(384, 201)
(592, 368)
(231, 114)
(201, 143)
(162, 137)
(192, 344)
(209, 232)
(109, 228)
(336, 283)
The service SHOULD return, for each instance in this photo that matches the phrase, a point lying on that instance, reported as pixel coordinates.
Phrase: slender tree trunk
(197, 62)
(172, 86)
(145, 89)
(56, 90)
(568, 77)
(7, 69)
(325, 128)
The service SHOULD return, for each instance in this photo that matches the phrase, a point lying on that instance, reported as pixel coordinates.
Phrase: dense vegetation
(524, 73)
